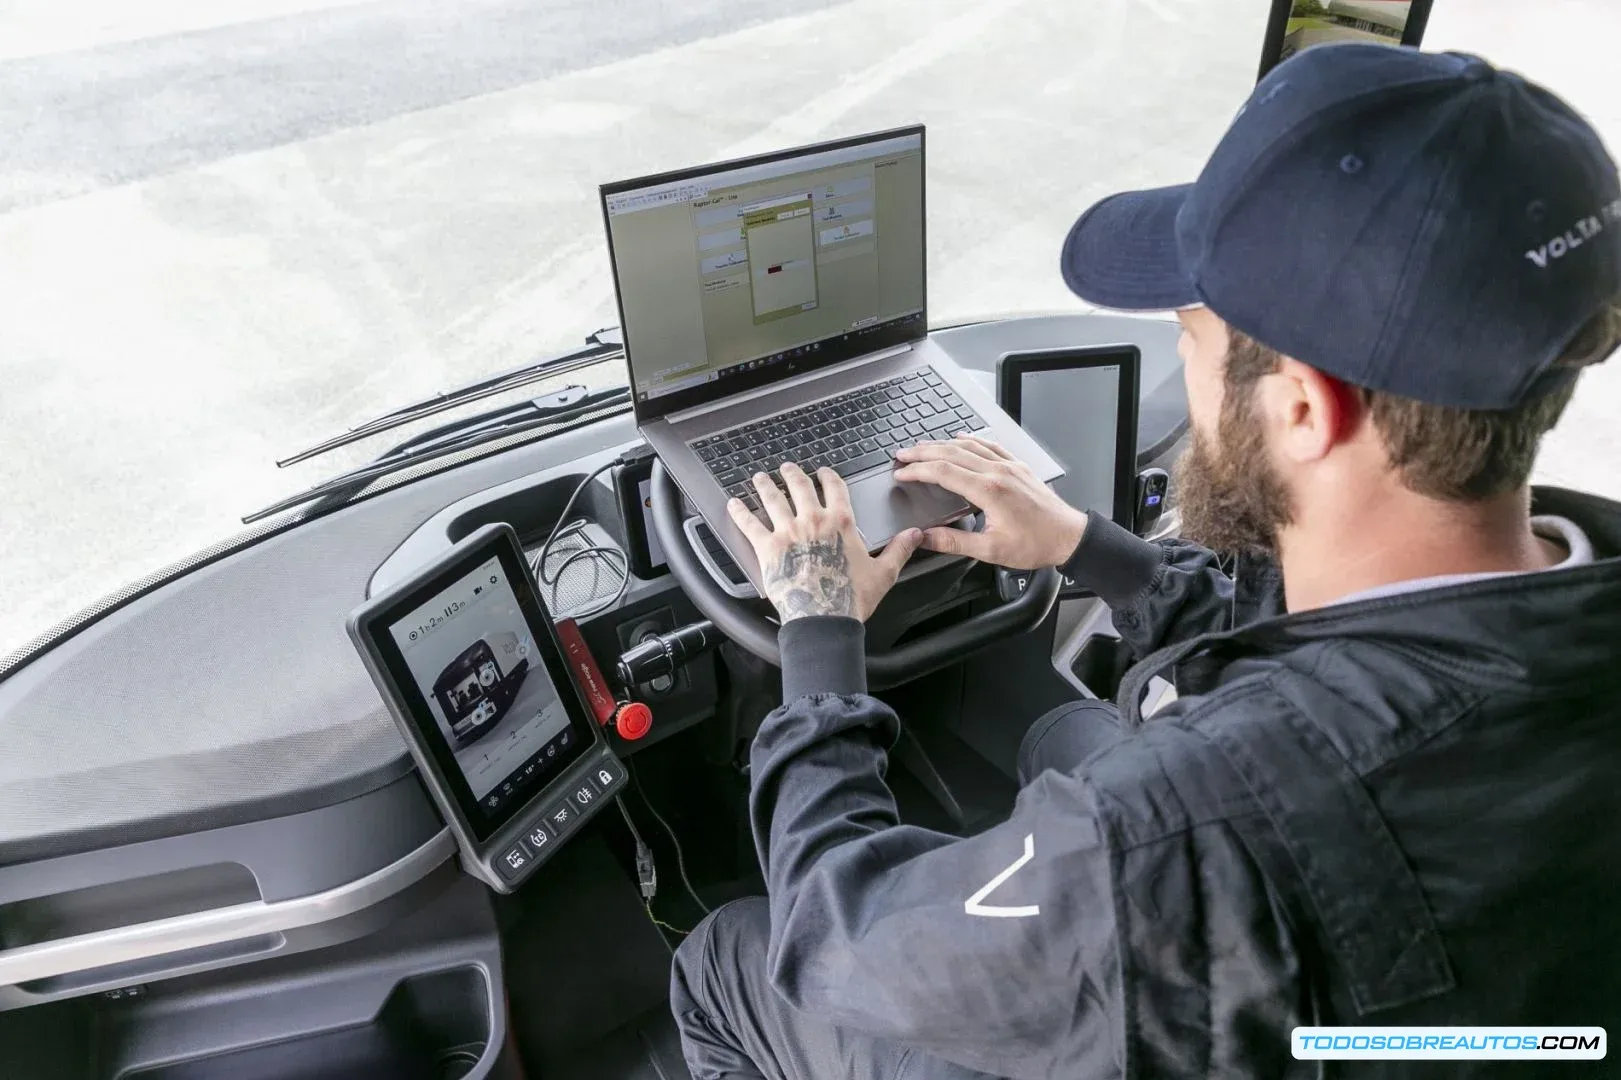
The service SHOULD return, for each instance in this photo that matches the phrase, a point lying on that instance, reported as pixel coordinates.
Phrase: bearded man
(1387, 791)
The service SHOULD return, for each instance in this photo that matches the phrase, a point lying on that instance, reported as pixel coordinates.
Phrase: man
(1387, 794)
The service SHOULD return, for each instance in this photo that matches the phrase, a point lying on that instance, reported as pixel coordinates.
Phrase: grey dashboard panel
(159, 908)
(232, 694)
(422, 995)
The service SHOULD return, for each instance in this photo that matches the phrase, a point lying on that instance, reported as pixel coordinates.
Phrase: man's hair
(1459, 455)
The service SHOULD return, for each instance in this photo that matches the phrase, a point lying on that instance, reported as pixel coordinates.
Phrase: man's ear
(1314, 412)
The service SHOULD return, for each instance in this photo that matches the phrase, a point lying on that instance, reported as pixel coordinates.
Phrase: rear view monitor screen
(1318, 22)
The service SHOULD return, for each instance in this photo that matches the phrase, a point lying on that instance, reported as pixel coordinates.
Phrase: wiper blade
(603, 344)
(503, 421)
(559, 408)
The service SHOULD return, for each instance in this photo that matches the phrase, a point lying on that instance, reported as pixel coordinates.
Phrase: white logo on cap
(1575, 236)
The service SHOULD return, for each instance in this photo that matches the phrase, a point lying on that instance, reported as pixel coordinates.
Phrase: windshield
(232, 228)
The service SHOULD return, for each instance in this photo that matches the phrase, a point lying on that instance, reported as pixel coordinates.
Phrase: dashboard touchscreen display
(1072, 412)
(481, 675)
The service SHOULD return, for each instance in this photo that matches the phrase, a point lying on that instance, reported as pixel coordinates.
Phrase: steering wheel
(743, 622)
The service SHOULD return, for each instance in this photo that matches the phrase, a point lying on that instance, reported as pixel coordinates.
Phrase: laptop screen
(736, 275)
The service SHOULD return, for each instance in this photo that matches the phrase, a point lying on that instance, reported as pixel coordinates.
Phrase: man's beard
(1233, 502)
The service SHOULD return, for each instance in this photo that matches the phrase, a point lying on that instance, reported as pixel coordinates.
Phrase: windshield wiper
(503, 421)
(567, 404)
(599, 346)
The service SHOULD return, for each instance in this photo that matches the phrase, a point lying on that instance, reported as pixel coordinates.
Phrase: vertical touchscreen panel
(1074, 414)
(481, 674)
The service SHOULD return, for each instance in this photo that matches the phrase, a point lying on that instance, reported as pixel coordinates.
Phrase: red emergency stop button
(633, 720)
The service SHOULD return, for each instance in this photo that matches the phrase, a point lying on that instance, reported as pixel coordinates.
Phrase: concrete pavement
(232, 229)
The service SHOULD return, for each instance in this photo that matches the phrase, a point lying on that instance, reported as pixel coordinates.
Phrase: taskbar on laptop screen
(856, 341)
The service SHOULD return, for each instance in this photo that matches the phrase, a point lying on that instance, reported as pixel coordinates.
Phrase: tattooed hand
(813, 560)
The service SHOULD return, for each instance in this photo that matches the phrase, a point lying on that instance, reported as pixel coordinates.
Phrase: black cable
(574, 498)
(635, 834)
(564, 532)
(592, 550)
(595, 552)
(564, 528)
(680, 862)
(647, 879)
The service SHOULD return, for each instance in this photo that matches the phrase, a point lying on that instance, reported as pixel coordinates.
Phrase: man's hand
(1027, 526)
(813, 560)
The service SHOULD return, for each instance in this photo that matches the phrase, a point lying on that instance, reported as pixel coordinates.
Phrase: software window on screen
(742, 266)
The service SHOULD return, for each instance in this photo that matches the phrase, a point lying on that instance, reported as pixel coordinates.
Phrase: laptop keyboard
(850, 433)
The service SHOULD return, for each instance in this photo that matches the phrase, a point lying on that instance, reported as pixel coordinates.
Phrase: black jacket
(1402, 811)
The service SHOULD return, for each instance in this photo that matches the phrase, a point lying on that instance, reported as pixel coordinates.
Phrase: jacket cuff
(823, 654)
(1113, 563)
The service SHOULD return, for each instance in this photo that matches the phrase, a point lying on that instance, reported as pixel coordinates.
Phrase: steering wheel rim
(755, 634)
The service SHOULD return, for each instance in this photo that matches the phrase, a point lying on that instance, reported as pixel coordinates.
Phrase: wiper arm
(561, 407)
(604, 343)
(503, 421)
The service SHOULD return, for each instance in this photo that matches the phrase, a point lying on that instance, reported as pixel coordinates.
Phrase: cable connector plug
(635, 455)
(647, 875)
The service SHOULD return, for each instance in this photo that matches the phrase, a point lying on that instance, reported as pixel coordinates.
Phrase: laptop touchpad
(884, 507)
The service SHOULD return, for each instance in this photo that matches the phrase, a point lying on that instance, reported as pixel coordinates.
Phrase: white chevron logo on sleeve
(974, 905)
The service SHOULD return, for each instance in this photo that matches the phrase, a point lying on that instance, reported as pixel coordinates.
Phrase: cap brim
(1122, 254)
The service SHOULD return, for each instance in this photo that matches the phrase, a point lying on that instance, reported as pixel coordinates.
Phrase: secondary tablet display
(486, 687)
(1080, 404)
(1084, 446)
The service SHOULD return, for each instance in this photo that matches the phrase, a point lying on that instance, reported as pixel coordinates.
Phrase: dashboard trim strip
(150, 940)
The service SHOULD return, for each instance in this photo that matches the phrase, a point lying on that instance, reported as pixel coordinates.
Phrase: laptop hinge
(797, 380)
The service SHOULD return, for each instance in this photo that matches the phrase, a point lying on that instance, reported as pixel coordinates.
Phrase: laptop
(774, 310)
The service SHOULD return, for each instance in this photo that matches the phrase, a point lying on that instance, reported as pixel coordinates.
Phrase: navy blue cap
(1418, 223)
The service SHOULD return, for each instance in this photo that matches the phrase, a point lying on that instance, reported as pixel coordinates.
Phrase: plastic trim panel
(144, 941)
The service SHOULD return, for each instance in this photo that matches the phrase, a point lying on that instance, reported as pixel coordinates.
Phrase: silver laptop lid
(736, 275)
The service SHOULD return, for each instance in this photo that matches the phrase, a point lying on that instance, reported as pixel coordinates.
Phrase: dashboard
(204, 779)
(467, 658)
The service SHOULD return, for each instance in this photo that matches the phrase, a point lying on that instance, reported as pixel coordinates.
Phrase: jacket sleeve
(1160, 592)
(996, 951)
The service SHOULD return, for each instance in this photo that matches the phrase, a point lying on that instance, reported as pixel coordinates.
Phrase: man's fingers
(773, 501)
(984, 447)
(898, 550)
(954, 452)
(835, 493)
(948, 474)
(754, 530)
(800, 488)
(958, 542)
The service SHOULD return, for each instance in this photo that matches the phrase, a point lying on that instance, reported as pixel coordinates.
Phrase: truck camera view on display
(497, 716)
(1316, 22)
(474, 692)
